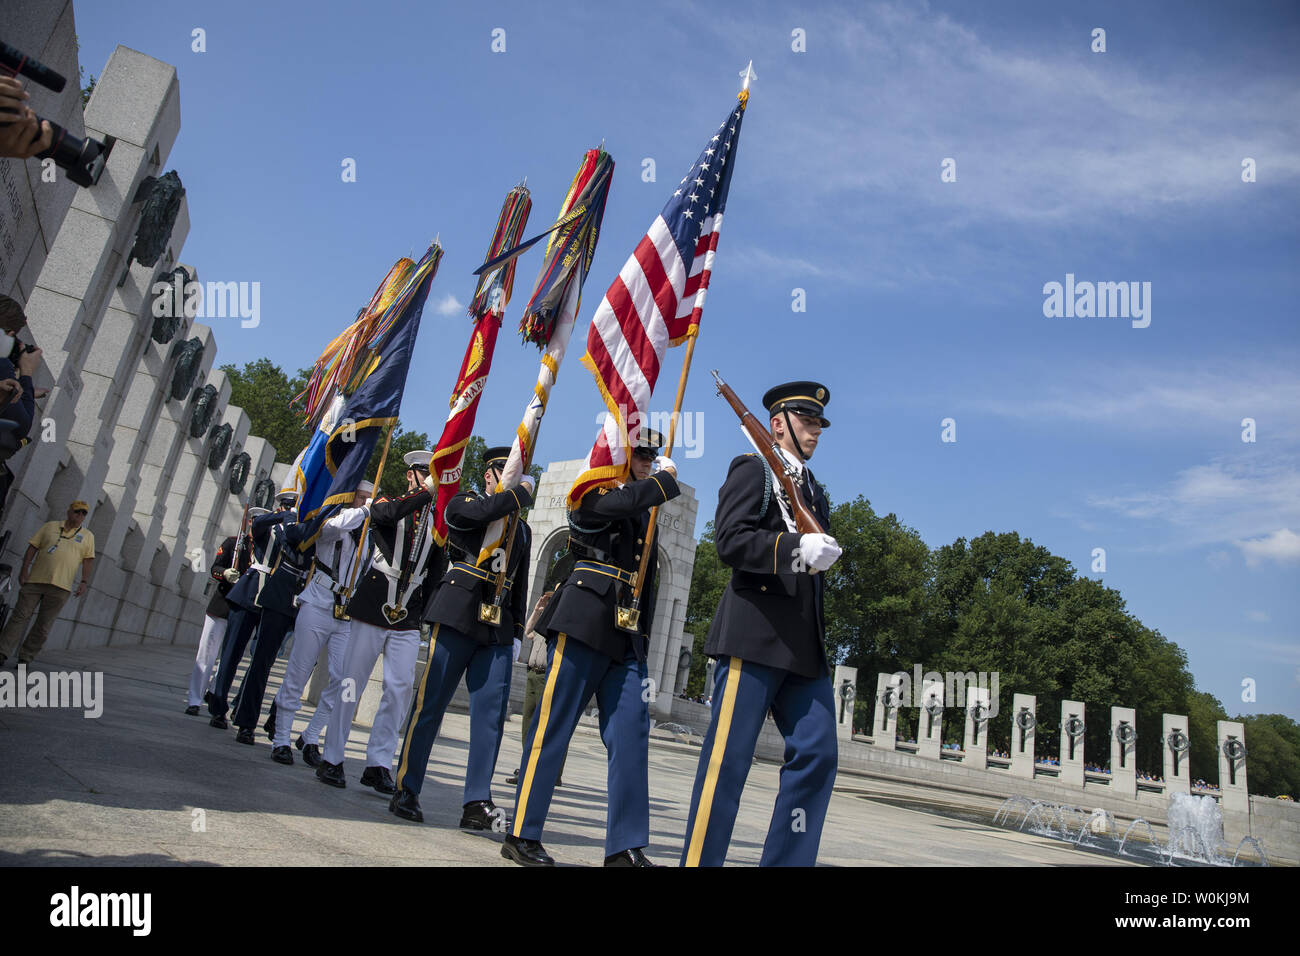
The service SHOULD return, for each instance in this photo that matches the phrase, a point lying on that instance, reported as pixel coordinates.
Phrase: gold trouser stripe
(419, 705)
(535, 751)
(715, 764)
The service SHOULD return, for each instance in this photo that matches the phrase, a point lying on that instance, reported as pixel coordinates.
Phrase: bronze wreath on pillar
(172, 317)
(239, 468)
(263, 493)
(204, 406)
(221, 435)
(188, 356)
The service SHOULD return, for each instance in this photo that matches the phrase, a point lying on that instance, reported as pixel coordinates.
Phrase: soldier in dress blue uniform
(248, 600)
(472, 636)
(768, 636)
(270, 587)
(385, 612)
(590, 653)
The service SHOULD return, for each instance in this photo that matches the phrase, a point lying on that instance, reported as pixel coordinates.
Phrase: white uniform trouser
(214, 631)
(367, 642)
(312, 627)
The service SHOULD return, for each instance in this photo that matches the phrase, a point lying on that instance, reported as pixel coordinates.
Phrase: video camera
(82, 159)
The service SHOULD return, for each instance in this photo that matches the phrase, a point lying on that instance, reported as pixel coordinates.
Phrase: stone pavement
(124, 789)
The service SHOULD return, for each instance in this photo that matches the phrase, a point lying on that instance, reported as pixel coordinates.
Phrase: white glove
(819, 550)
(231, 575)
(430, 485)
(527, 482)
(666, 464)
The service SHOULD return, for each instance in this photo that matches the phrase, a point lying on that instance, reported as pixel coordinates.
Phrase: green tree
(264, 392)
(393, 481)
(875, 592)
(1272, 754)
(1203, 714)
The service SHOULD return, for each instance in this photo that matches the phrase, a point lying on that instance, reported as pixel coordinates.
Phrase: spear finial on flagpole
(746, 74)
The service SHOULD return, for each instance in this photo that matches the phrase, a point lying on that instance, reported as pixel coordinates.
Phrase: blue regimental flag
(335, 463)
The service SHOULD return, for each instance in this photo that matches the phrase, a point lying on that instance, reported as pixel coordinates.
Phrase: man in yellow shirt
(48, 578)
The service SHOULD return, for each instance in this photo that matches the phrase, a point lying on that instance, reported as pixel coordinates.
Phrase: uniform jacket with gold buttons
(609, 527)
(771, 611)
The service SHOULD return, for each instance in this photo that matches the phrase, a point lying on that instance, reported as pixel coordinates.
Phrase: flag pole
(365, 525)
(638, 586)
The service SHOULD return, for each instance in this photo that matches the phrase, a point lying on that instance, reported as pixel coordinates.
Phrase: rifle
(241, 539)
(804, 520)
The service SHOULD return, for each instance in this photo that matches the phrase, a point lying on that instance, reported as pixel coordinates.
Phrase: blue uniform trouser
(576, 671)
(804, 709)
(240, 626)
(486, 669)
(271, 633)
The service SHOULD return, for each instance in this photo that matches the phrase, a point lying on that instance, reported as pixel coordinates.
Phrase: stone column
(1072, 757)
(137, 101)
(32, 206)
(1024, 724)
(154, 465)
(884, 731)
(975, 744)
(1232, 766)
(1175, 745)
(1123, 752)
(188, 465)
(845, 688)
(929, 726)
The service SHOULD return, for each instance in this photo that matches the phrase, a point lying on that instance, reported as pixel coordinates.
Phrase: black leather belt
(609, 570)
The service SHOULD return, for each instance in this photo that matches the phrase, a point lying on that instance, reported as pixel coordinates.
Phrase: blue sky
(924, 299)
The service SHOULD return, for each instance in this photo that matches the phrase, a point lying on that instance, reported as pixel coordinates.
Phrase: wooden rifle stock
(241, 540)
(805, 521)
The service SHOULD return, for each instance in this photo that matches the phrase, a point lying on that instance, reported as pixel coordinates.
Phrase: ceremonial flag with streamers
(311, 460)
(378, 397)
(489, 302)
(655, 302)
(553, 308)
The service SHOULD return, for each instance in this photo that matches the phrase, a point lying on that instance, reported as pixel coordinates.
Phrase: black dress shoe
(484, 815)
(379, 778)
(220, 723)
(525, 852)
(207, 697)
(311, 755)
(300, 742)
(406, 805)
(632, 857)
(192, 710)
(331, 773)
(513, 779)
(245, 736)
(282, 755)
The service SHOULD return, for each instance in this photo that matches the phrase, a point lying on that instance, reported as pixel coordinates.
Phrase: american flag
(655, 302)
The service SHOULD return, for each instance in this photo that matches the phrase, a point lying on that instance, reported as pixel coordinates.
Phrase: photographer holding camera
(29, 134)
(18, 363)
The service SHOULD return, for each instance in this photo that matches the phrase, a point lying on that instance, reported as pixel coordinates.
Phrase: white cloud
(1282, 545)
(1040, 135)
(448, 305)
(1259, 617)
(1226, 500)
(1141, 398)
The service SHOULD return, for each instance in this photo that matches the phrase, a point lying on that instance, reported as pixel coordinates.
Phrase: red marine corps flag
(489, 303)
(655, 302)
